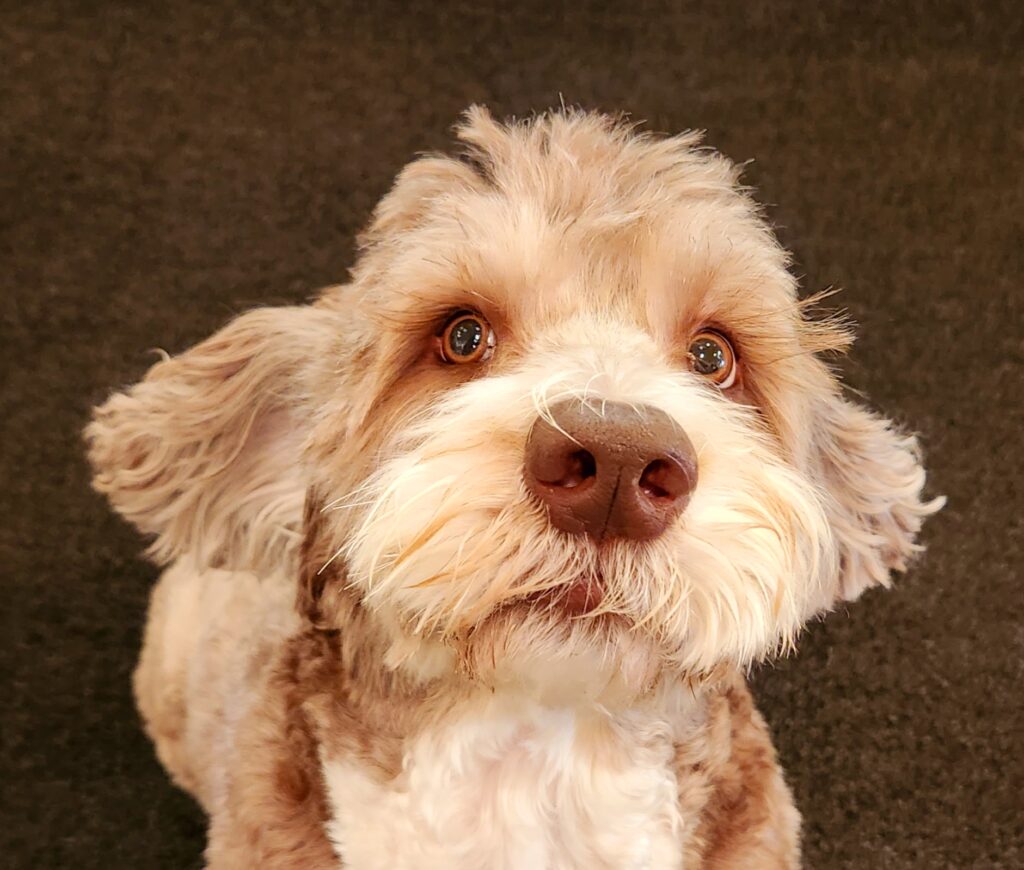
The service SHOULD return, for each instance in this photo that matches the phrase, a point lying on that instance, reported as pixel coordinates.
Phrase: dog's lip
(578, 598)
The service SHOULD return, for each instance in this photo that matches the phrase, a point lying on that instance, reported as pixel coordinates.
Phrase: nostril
(665, 480)
(578, 467)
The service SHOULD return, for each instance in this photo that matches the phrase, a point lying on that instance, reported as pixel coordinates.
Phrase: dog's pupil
(708, 356)
(465, 337)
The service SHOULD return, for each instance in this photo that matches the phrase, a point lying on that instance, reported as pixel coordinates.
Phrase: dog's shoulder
(729, 774)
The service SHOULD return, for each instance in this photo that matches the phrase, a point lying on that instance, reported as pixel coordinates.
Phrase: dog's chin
(559, 648)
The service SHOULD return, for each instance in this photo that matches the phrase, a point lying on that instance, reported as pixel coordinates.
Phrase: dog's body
(543, 479)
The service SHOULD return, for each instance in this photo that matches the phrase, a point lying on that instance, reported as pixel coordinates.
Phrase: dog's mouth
(578, 598)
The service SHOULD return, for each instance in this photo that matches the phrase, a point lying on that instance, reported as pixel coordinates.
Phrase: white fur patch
(507, 784)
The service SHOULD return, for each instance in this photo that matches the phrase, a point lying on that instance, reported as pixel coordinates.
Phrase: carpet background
(165, 166)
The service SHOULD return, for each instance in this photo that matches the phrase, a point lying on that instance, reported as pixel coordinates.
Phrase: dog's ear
(873, 478)
(204, 453)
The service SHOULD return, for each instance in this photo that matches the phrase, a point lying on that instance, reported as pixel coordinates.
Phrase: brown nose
(610, 470)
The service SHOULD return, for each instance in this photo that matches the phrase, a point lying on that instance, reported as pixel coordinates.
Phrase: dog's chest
(525, 790)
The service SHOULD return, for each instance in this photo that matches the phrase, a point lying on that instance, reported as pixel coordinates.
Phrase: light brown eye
(711, 355)
(467, 338)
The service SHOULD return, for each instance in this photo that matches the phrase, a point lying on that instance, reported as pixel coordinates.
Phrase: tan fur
(419, 705)
(749, 819)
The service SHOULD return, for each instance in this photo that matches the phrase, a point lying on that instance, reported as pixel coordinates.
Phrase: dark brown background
(164, 167)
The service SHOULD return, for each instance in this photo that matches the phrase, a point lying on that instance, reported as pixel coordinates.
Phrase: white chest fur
(511, 785)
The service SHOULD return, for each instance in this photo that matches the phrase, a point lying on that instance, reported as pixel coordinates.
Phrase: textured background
(163, 167)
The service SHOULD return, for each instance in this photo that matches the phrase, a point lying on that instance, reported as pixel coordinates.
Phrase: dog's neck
(412, 756)
(416, 763)
(356, 679)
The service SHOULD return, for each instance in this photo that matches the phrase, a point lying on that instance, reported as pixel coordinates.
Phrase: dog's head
(567, 423)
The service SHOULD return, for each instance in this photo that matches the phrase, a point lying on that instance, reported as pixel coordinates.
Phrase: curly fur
(421, 706)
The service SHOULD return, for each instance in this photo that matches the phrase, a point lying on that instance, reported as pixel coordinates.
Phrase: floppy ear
(205, 452)
(873, 477)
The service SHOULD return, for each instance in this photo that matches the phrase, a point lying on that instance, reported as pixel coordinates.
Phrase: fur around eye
(467, 338)
(712, 356)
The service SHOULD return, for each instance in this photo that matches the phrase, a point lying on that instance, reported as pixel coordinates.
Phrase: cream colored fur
(209, 638)
(595, 252)
(506, 782)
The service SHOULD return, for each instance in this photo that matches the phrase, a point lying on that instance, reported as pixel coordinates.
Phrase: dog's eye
(712, 356)
(467, 338)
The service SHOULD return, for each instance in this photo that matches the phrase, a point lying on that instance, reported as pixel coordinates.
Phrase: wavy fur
(429, 704)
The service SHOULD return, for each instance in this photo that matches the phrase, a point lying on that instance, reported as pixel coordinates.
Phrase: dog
(467, 559)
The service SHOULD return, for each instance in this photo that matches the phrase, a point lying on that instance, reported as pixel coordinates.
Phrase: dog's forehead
(567, 237)
(655, 262)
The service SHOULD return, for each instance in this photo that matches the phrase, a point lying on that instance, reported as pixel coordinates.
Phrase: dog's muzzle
(610, 470)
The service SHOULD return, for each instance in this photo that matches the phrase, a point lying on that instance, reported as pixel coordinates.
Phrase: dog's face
(567, 425)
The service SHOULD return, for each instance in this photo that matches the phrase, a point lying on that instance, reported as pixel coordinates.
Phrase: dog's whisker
(351, 505)
(327, 564)
(354, 493)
